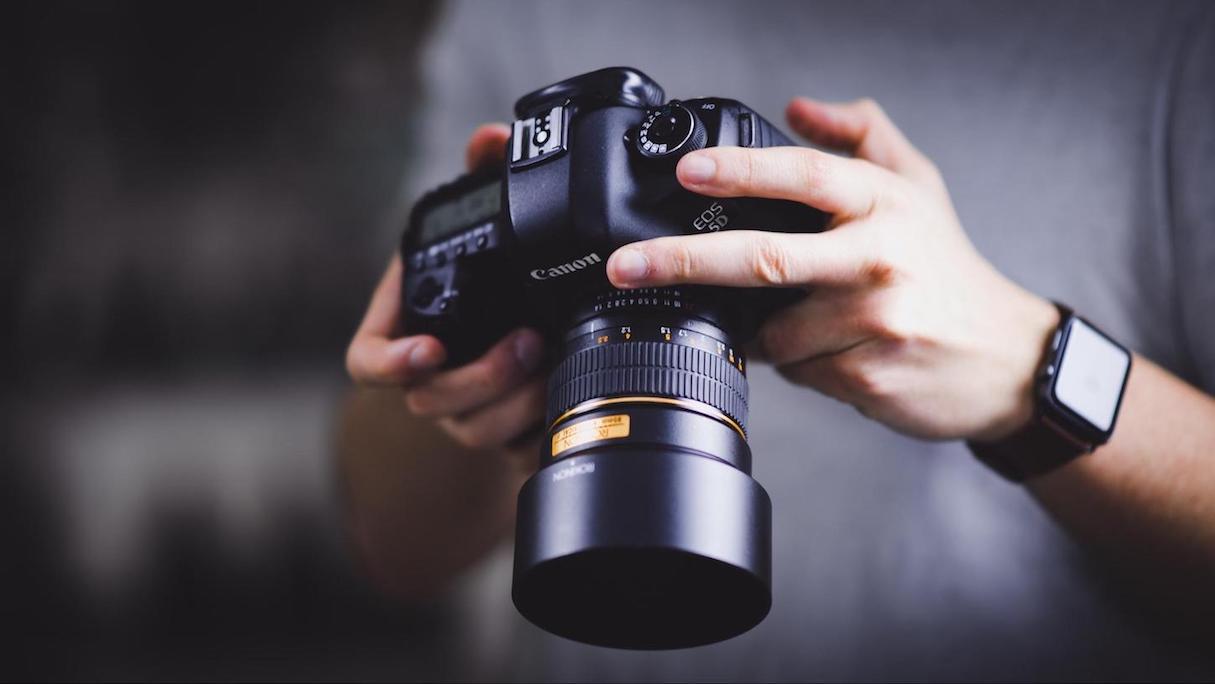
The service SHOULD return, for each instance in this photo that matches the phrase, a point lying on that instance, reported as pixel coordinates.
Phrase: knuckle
(813, 169)
(891, 323)
(858, 377)
(770, 262)
(467, 436)
(870, 107)
(899, 199)
(497, 371)
(879, 271)
(473, 438)
(931, 173)
(681, 261)
(420, 403)
(879, 266)
(745, 172)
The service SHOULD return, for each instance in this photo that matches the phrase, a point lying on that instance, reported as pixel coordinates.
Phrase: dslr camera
(642, 527)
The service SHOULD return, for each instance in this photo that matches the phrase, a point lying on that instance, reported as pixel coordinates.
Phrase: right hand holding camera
(491, 403)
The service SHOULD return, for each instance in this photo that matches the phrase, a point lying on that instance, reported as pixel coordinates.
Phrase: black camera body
(642, 528)
(525, 243)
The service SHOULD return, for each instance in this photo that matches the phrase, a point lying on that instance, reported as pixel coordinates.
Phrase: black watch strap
(1043, 444)
(1036, 449)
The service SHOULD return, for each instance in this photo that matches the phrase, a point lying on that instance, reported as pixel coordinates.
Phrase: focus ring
(661, 369)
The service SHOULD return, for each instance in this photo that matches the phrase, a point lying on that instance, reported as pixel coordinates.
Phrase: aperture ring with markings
(662, 369)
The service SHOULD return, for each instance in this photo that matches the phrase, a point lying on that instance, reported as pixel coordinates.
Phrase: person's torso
(892, 557)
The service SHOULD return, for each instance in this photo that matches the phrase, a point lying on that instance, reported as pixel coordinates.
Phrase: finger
(748, 258)
(402, 362)
(498, 371)
(860, 128)
(829, 321)
(823, 375)
(487, 145)
(854, 376)
(861, 375)
(381, 316)
(502, 422)
(834, 184)
(372, 357)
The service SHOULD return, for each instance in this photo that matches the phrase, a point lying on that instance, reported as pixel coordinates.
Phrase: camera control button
(669, 132)
(427, 290)
(482, 241)
(746, 130)
(461, 249)
(440, 258)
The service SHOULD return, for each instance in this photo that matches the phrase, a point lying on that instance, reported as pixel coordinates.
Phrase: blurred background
(199, 198)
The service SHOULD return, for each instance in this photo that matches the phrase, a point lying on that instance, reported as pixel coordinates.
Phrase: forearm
(420, 508)
(1147, 497)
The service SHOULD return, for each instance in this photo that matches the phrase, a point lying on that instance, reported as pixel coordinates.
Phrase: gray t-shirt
(1078, 142)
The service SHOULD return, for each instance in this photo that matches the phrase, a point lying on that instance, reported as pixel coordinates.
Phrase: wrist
(1030, 324)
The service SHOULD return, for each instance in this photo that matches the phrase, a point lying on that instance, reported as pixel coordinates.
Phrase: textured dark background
(192, 198)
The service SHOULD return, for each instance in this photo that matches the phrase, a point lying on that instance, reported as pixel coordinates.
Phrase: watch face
(1091, 375)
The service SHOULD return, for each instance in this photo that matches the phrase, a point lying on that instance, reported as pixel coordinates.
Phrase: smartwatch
(1077, 393)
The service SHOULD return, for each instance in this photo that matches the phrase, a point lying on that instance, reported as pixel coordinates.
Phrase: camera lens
(643, 527)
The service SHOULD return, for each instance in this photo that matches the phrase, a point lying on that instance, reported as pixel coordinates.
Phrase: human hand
(495, 402)
(905, 320)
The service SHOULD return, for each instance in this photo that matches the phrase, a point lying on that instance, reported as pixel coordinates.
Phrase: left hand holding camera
(905, 319)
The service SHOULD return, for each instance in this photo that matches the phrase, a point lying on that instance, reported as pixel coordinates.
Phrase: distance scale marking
(652, 332)
(665, 297)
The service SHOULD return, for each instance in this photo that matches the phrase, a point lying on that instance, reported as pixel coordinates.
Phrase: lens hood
(643, 548)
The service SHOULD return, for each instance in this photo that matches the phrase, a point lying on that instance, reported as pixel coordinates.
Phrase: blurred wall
(200, 196)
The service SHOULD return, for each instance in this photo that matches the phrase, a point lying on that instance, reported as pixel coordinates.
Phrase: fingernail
(697, 168)
(422, 356)
(527, 349)
(629, 265)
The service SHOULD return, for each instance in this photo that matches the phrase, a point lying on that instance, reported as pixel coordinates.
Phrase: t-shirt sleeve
(1191, 169)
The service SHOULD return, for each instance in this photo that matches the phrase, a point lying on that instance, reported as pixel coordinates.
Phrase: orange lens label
(594, 429)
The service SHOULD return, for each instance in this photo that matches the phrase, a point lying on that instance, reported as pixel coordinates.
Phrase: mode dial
(669, 132)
